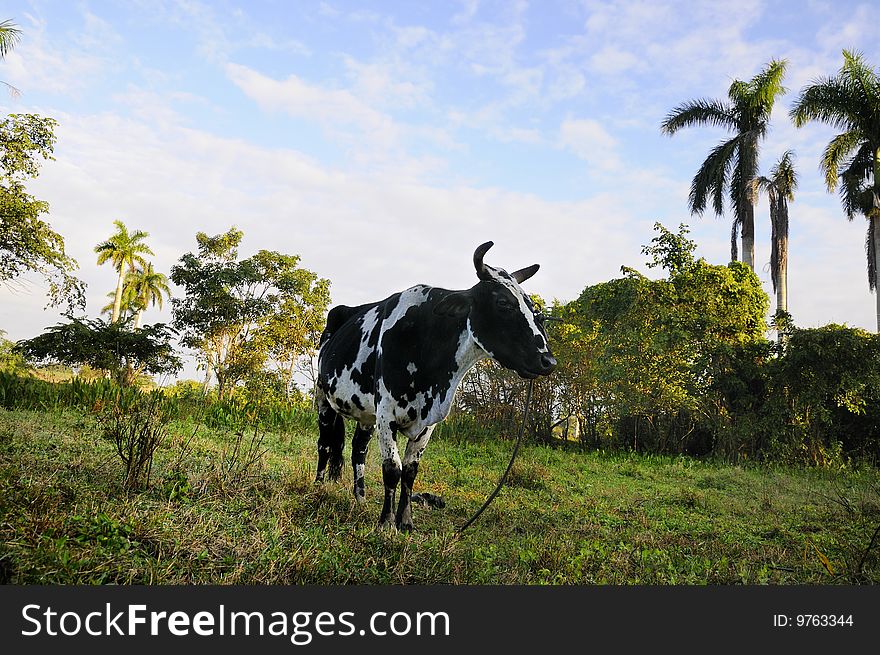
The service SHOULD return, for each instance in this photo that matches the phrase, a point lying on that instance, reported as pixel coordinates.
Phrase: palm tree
(780, 188)
(732, 164)
(9, 36)
(127, 307)
(146, 287)
(124, 251)
(850, 102)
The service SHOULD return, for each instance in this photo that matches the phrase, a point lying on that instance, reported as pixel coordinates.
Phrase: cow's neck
(467, 355)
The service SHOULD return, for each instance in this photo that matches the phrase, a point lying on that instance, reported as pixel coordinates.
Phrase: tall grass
(29, 393)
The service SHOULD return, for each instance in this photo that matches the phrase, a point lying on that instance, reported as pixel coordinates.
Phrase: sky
(383, 141)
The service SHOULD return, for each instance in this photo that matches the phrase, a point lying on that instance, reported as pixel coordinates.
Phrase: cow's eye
(505, 304)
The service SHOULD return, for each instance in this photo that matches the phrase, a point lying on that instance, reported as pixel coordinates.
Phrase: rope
(491, 497)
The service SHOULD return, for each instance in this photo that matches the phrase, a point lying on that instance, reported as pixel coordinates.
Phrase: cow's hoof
(387, 526)
(335, 472)
(360, 498)
(319, 479)
(405, 527)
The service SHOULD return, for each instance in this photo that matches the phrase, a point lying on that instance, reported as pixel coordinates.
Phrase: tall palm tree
(123, 251)
(780, 188)
(850, 102)
(733, 164)
(146, 287)
(9, 36)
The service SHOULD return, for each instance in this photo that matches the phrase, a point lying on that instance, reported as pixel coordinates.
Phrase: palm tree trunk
(117, 301)
(874, 226)
(782, 288)
(137, 319)
(747, 227)
(875, 230)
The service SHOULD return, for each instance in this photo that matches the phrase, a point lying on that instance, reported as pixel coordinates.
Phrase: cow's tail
(331, 438)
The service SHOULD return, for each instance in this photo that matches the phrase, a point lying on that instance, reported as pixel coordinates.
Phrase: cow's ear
(524, 274)
(457, 304)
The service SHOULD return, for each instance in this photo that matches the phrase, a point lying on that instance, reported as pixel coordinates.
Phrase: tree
(733, 164)
(850, 102)
(28, 244)
(124, 251)
(239, 314)
(780, 188)
(652, 346)
(146, 287)
(107, 346)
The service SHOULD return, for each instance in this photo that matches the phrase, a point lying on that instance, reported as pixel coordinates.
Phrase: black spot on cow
(357, 402)
(411, 413)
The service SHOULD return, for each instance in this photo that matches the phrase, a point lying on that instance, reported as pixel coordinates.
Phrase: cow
(394, 367)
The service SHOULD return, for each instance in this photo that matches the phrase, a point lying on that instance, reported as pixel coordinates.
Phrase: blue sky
(383, 141)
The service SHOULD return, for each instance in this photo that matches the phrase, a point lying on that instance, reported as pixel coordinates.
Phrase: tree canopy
(28, 244)
(242, 314)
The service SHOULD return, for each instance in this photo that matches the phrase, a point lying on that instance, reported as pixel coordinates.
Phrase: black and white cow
(394, 366)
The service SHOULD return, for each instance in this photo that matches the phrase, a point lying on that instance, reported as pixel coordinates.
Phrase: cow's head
(503, 319)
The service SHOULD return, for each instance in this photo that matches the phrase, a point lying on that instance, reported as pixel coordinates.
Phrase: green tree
(124, 251)
(107, 346)
(733, 164)
(850, 102)
(147, 287)
(28, 244)
(11, 361)
(780, 188)
(239, 314)
(654, 343)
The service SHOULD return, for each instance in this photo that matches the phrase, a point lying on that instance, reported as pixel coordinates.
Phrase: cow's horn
(482, 273)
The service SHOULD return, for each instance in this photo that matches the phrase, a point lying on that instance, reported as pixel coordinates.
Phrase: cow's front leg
(411, 457)
(391, 470)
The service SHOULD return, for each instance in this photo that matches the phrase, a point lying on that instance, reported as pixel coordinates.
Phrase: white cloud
(589, 141)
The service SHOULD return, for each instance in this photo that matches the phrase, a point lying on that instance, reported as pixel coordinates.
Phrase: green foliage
(111, 347)
(242, 315)
(828, 381)
(28, 243)
(638, 353)
(11, 361)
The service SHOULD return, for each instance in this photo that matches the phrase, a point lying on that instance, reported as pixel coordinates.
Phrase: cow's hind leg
(414, 450)
(391, 470)
(331, 438)
(359, 444)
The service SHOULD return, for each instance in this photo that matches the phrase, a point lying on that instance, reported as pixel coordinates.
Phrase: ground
(566, 516)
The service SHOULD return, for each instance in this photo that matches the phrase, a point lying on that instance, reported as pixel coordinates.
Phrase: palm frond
(837, 150)
(699, 112)
(829, 100)
(861, 76)
(785, 176)
(9, 37)
(763, 89)
(711, 178)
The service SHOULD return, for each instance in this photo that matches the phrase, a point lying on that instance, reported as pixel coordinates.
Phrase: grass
(565, 517)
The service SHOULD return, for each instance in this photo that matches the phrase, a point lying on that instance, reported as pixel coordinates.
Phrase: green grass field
(566, 517)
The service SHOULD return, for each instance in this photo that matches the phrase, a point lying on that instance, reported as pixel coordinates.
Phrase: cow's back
(347, 359)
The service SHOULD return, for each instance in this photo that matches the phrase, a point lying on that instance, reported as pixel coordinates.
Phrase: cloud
(589, 140)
